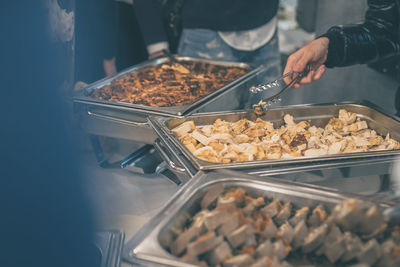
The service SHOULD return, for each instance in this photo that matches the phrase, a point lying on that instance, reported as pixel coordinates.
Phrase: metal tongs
(261, 107)
(175, 60)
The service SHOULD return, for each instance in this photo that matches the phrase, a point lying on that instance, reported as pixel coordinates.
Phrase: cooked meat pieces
(270, 228)
(179, 245)
(272, 208)
(239, 261)
(390, 254)
(264, 250)
(184, 128)
(369, 253)
(333, 235)
(335, 249)
(286, 233)
(203, 244)
(300, 233)
(284, 213)
(301, 215)
(241, 235)
(350, 213)
(266, 262)
(231, 224)
(245, 140)
(353, 246)
(314, 239)
(373, 220)
(168, 84)
(317, 217)
(211, 195)
(219, 254)
(281, 249)
(234, 228)
(216, 218)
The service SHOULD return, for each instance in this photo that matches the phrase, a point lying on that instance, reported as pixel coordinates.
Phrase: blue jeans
(207, 44)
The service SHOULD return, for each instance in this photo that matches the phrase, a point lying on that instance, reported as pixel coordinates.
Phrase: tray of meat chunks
(299, 134)
(217, 220)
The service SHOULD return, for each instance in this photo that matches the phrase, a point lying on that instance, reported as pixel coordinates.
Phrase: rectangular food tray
(149, 244)
(318, 114)
(117, 119)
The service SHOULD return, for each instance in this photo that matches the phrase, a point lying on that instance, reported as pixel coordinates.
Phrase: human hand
(314, 54)
(156, 54)
(80, 85)
(109, 67)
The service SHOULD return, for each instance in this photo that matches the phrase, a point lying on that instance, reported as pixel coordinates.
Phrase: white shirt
(250, 40)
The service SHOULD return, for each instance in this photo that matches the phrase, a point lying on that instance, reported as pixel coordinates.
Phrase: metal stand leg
(98, 150)
(99, 153)
(397, 101)
(385, 183)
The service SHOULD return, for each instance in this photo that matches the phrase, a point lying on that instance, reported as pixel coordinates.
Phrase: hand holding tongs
(261, 107)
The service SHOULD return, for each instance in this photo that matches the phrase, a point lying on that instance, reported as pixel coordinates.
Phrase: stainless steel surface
(262, 87)
(148, 246)
(318, 114)
(129, 121)
(183, 168)
(167, 159)
(110, 244)
(127, 201)
(144, 160)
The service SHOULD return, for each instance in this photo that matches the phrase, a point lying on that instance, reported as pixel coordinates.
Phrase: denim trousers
(207, 44)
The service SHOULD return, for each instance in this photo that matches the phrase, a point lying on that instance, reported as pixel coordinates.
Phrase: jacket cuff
(336, 48)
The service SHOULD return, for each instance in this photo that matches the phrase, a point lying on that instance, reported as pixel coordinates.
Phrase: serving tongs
(261, 107)
(175, 61)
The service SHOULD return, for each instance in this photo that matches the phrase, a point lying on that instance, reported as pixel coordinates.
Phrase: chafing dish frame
(145, 247)
(118, 119)
(382, 122)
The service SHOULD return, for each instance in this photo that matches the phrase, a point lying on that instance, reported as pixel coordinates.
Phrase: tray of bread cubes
(284, 135)
(216, 220)
(164, 88)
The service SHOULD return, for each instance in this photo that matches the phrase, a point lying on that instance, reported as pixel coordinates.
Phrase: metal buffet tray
(129, 121)
(319, 114)
(147, 247)
(109, 245)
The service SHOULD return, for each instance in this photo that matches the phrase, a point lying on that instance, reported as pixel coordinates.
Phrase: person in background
(130, 45)
(229, 30)
(96, 39)
(377, 40)
(46, 218)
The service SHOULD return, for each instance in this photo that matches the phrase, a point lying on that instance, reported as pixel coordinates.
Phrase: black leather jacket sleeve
(375, 39)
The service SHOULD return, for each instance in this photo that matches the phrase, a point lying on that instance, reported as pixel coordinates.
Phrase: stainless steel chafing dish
(148, 246)
(129, 121)
(319, 114)
(109, 246)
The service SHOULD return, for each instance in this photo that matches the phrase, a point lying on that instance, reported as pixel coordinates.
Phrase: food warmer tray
(129, 121)
(109, 245)
(319, 114)
(147, 246)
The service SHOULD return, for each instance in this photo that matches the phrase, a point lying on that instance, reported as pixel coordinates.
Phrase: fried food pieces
(244, 140)
(168, 84)
(231, 227)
